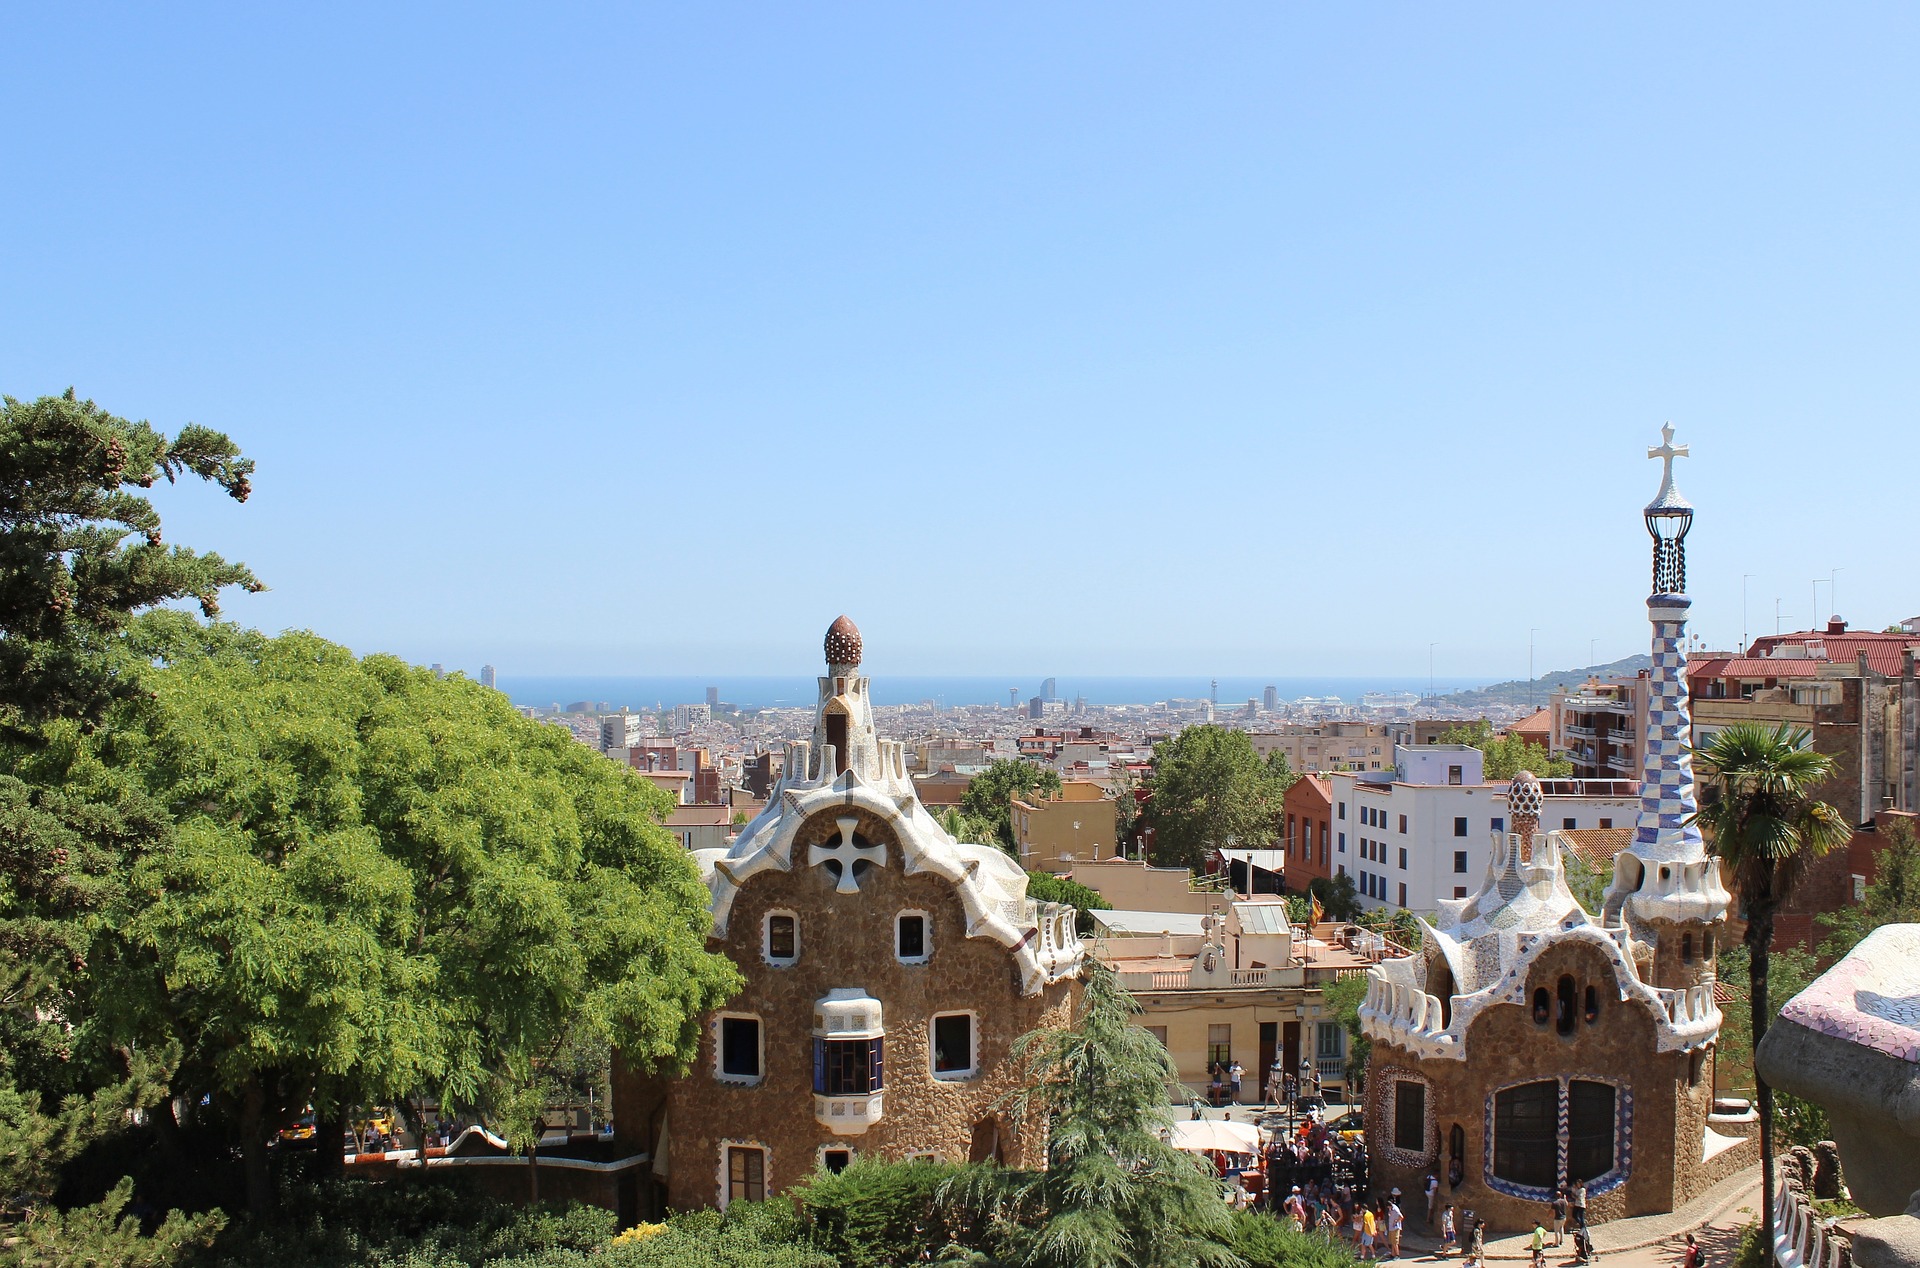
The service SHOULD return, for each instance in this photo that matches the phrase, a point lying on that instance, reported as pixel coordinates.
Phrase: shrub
(1264, 1242)
(875, 1214)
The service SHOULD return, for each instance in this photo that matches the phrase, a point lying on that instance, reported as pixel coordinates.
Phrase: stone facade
(1543, 1045)
(856, 922)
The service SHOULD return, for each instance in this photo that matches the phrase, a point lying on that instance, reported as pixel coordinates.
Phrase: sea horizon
(646, 692)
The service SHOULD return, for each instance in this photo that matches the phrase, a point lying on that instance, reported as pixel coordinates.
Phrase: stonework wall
(1668, 1107)
(846, 940)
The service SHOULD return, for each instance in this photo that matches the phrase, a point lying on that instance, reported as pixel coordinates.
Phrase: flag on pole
(1316, 913)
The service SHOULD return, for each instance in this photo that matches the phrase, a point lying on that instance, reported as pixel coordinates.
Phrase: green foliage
(1113, 1194)
(1588, 883)
(962, 826)
(1752, 1251)
(875, 1214)
(990, 794)
(1342, 999)
(359, 847)
(69, 584)
(69, 579)
(410, 1222)
(1892, 899)
(1043, 887)
(1339, 896)
(1790, 971)
(1507, 755)
(1264, 1242)
(1212, 790)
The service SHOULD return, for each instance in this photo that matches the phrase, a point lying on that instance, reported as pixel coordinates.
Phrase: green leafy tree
(1046, 888)
(1211, 790)
(1114, 1193)
(1342, 999)
(1588, 882)
(1339, 896)
(69, 577)
(1508, 755)
(359, 849)
(990, 795)
(962, 826)
(1760, 817)
(1893, 898)
(1789, 971)
(80, 555)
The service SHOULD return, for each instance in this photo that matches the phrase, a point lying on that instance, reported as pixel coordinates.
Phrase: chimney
(1836, 626)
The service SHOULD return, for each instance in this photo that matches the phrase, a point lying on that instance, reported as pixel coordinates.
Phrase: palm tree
(1761, 819)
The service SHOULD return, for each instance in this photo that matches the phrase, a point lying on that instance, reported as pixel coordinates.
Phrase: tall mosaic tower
(1665, 887)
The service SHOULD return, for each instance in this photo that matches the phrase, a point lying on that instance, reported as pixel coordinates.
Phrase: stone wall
(1669, 1097)
(846, 940)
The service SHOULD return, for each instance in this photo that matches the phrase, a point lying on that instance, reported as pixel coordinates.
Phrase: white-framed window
(913, 937)
(953, 1045)
(780, 938)
(739, 1048)
(743, 1172)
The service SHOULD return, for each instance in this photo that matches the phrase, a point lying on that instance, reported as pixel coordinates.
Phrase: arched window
(1542, 1007)
(1525, 1131)
(1686, 948)
(1563, 1020)
(1593, 1005)
(1590, 1118)
(1706, 946)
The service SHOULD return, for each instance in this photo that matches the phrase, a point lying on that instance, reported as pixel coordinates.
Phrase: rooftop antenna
(1743, 609)
(1833, 588)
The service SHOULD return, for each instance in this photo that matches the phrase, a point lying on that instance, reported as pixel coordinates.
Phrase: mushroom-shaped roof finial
(843, 642)
(1525, 800)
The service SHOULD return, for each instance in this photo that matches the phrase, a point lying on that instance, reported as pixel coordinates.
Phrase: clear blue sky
(1071, 339)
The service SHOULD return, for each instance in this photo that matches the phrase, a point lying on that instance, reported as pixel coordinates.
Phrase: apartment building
(1323, 746)
(1307, 834)
(1598, 727)
(1082, 824)
(1425, 830)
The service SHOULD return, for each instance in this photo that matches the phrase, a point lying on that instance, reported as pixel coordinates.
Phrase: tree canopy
(381, 882)
(1507, 755)
(1114, 1193)
(1210, 789)
(990, 794)
(1892, 898)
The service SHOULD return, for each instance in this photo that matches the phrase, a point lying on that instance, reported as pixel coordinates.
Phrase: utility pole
(1776, 618)
(1530, 634)
(1833, 589)
(1744, 577)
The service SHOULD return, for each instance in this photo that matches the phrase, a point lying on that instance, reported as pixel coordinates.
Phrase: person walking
(1476, 1241)
(1449, 1239)
(1539, 1245)
(1433, 1196)
(1396, 1221)
(1559, 1216)
(1579, 1205)
(1234, 1074)
(1275, 1081)
(1691, 1257)
(1369, 1229)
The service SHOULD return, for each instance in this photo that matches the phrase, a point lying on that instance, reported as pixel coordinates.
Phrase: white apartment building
(688, 716)
(620, 730)
(1323, 746)
(1424, 831)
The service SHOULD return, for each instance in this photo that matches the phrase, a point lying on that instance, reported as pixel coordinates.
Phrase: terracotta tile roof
(1768, 667)
(1538, 722)
(1597, 846)
(1844, 648)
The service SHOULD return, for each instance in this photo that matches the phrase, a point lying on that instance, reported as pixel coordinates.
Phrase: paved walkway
(1716, 1218)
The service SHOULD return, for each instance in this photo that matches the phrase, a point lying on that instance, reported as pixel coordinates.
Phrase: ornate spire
(843, 644)
(1669, 516)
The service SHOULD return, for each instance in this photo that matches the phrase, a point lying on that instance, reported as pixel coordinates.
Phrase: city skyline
(1298, 341)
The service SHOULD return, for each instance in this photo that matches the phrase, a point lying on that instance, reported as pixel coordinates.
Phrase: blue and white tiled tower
(1665, 887)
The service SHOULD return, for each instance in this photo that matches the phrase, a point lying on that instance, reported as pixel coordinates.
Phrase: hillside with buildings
(1519, 693)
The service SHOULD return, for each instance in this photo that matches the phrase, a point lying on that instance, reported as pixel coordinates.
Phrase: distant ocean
(770, 692)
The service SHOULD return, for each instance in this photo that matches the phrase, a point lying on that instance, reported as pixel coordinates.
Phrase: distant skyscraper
(1013, 697)
(486, 677)
(439, 670)
(1273, 699)
(1047, 690)
(1213, 694)
(713, 697)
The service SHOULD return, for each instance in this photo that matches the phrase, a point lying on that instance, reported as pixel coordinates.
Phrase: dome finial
(843, 642)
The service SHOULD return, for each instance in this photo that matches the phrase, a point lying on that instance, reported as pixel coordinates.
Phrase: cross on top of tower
(1667, 451)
